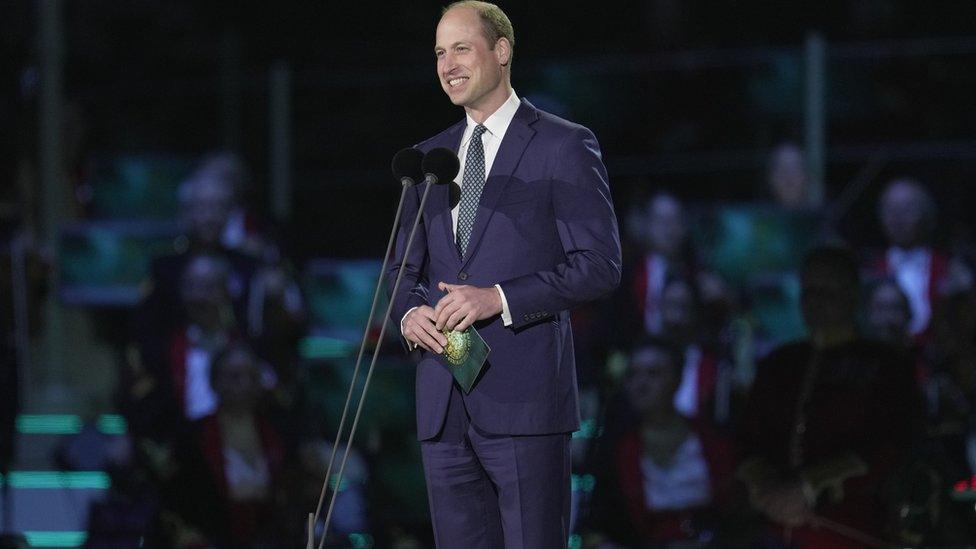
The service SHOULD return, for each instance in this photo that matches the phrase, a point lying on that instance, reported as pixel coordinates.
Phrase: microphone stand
(429, 182)
(406, 183)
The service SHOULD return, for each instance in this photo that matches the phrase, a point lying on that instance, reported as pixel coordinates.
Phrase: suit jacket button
(463, 275)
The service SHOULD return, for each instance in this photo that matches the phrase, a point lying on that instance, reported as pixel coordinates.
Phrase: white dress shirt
(685, 484)
(686, 397)
(912, 269)
(496, 125)
(199, 396)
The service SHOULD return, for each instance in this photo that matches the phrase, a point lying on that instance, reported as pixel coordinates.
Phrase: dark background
(682, 95)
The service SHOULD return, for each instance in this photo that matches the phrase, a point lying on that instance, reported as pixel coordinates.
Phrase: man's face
(788, 176)
(469, 68)
(902, 216)
(828, 298)
(238, 383)
(666, 226)
(651, 380)
(207, 210)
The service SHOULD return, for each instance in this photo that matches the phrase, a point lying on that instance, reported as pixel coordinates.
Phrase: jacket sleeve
(587, 228)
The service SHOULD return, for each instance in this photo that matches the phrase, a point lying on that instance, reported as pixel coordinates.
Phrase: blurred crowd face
(652, 380)
(206, 209)
(666, 226)
(788, 177)
(888, 313)
(904, 212)
(679, 311)
(204, 292)
(237, 380)
(828, 298)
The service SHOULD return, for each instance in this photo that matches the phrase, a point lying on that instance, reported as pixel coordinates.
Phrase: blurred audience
(663, 481)
(204, 206)
(830, 445)
(787, 179)
(829, 420)
(907, 213)
(662, 226)
(242, 451)
(682, 322)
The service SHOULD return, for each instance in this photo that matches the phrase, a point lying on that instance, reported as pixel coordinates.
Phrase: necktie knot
(479, 130)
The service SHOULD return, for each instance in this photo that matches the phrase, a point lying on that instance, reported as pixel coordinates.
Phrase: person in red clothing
(700, 395)
(242, 451)
(666, 478)
(829, 420)
(924, 272)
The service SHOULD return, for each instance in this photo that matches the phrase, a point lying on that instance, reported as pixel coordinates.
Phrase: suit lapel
(439, 200)
(517, 137)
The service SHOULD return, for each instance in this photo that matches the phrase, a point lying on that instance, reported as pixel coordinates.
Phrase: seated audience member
(681, 322)
(887, 317)
(787, 178)
(828, 421)
(888, 313)
(242, 453)
(204, 206)
(664, 231)
(664, 478)
(243, 229)
(907, 212)
(209, 326)
(952, 388)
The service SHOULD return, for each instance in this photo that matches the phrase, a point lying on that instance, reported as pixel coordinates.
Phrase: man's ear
(503, 51)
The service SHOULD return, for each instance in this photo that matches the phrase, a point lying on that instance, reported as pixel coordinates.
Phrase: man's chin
(457, 99)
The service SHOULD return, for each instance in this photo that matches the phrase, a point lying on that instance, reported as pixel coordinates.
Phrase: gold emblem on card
(458, 347)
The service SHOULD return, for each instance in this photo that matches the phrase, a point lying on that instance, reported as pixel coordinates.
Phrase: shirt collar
(499, 120)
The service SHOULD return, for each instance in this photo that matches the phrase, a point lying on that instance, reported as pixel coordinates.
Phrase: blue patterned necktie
(472, 184)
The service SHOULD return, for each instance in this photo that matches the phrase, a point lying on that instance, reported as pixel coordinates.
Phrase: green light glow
(47, 480)
(66, 424)
(320, 347)
(48, 424)
(56, 539)
(361, 541)
(584, 483)
(112, 424)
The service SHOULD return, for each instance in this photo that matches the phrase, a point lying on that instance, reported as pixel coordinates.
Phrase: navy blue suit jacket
(546, 232)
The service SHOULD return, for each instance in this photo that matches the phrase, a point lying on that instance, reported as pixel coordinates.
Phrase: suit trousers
(489, 491)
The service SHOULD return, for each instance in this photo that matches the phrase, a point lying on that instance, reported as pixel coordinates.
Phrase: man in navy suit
(533, 235)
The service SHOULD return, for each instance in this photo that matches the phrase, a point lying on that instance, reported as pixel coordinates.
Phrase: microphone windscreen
(455, 197)
(442, 163)
(406, 163)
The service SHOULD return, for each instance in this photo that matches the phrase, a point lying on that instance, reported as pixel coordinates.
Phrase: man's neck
(490, 104)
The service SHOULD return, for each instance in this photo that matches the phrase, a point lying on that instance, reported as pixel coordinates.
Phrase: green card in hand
(465, 356)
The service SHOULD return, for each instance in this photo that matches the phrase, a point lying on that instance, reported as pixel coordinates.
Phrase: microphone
(406, 166)
(440, 165)
(455, 197)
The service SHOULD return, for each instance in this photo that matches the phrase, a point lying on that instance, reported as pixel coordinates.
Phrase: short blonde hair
(494, 23)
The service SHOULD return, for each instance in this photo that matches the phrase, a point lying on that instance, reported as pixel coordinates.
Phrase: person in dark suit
(533, 235)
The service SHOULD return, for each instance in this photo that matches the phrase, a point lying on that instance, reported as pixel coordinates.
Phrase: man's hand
(464, 305)
(418, 328)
